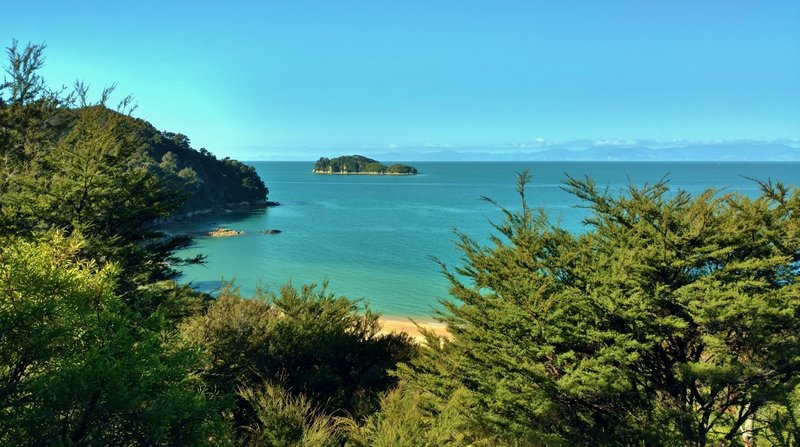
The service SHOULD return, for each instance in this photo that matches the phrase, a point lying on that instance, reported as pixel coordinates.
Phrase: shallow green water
(373, 237)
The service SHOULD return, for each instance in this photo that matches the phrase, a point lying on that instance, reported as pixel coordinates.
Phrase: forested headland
(49, 133)
(673, 319)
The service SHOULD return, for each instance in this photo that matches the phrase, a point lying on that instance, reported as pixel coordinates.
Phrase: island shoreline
(363, 173)
(359, 164)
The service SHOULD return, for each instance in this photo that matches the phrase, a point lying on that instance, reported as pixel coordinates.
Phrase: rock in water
(224, 232)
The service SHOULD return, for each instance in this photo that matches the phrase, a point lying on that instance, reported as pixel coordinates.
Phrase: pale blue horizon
(248, 80)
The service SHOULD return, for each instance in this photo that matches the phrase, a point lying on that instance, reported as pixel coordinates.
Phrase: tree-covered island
(359, 164)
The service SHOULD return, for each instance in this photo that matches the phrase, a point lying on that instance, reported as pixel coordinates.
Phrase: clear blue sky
(249, 79)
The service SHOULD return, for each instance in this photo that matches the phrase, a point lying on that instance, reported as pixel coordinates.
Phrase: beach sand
(399, 324)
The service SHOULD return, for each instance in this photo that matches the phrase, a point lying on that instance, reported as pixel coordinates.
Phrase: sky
(267, 79)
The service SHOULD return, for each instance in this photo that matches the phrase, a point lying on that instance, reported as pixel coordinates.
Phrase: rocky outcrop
(224, 232)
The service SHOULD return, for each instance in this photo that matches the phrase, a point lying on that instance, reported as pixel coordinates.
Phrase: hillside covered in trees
(42, 129)
(211, 184)
(673, 319)
(359, 164)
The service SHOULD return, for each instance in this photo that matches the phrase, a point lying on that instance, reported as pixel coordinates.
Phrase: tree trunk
(747, 431)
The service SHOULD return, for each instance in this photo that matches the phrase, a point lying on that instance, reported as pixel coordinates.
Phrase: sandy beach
(399, 324)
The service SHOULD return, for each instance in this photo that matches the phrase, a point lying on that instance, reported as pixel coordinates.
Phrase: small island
(358, 164)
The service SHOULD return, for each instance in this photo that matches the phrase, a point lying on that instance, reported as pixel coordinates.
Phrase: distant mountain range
(693, 152)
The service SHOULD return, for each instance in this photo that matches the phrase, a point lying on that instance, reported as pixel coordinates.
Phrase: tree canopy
(79, 367)
(672, 320)
(359, 164)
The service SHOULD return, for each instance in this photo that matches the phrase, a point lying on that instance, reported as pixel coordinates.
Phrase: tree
(72, 164)
(31, 117)
(283, 420)
(309, 341)
(403, 422)
(26, 84)
(672, 320)
(77, 367)
(98, 181)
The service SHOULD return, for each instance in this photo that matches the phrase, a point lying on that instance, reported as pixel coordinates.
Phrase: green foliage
(31, 117)
(404, 422)
(311, 342)
(34, 119)
(26, 84)
(77, 367)
(95, 181)
(104, 174)
(283, 420)
(359, 164)
(401, 169)
(778, 424)
(672, 321)
(213, 184)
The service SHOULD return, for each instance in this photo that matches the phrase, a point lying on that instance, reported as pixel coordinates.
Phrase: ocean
(374, 238)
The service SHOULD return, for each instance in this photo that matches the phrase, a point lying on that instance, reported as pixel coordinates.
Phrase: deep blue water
(373, 237)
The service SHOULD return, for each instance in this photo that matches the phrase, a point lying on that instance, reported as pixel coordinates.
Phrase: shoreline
(227, 208)
(363, 173)
(391, 324)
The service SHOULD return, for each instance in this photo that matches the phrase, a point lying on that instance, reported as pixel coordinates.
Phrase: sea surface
(374, 237)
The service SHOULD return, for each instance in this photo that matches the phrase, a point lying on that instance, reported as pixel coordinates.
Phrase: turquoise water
(373, 237)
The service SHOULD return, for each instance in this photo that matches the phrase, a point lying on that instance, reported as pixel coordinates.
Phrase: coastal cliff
(197, 180)
(358, 164)
(210, 184)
